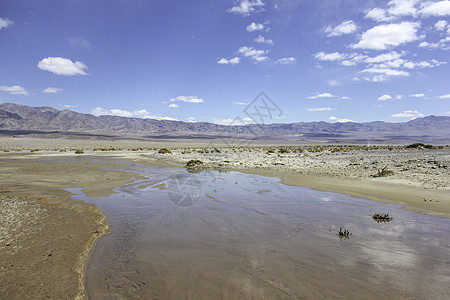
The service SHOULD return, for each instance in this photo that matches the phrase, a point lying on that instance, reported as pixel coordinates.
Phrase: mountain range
(25, 120)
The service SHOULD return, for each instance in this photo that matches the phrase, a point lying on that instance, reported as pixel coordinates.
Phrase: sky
(208, 61)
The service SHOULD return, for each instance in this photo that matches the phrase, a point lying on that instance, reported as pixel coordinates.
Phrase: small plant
(164, 151)
(382, 218)
(283, 150)
(79, 151)
(270, 151)
(383, 172)
(193, 163)
(344, 234)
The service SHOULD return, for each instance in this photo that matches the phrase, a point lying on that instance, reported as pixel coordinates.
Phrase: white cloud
(417, 96)
(286, 60)
(262, 40)
(232, 61)
(322, 95)
(408, 114)
(378, 14)
(255, 27)
(69, 106)
(14, 90)
(191, 120)
(440, 25)
(382, 37)
(399, 97)
(5, 22)
(345, 27)
(446, 96)
(335, 56)
(257, 55)
(402, 7)
(189, 99)
(385, 97)
(52, 90)
(245, 7)
(320, 109)
(334, 82)
(173, 105)
(388, 72)
(339, 120)
(240, 103)
(384, 57)
(437, 9)
(143, 114)
(62, 66)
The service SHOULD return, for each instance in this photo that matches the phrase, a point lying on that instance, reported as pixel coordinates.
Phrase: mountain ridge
(45, 118)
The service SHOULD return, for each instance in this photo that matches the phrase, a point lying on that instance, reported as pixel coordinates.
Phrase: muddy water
(217, 235)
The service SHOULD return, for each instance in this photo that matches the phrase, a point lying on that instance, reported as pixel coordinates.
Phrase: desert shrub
(79, 151)
(383, 172)
(419, 146)
(283, 150)
(164, 151)
(35, 150)
(270, 151)
(193, 163)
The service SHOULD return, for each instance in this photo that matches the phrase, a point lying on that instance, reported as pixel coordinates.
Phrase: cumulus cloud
(378, 14)
(262, 40)
(245, 7)
(257, 55)
(322, 95)
(441, 25)
(329, 56)
(173, 105)
(382, 37)
(143, 114)
(286, 60)
(446, 96)
(384, 97)
(14, 90)
(231, 61)
(189, 99)
(384, 57)
(5, 22)
(62, 66)
(320, 109)
(436, 9)
(345, 27)
(255, 27)
(340, 120)
(388, 72)
(52, 90)
(408, 114)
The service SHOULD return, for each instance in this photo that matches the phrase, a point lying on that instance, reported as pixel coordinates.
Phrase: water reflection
(216, 235)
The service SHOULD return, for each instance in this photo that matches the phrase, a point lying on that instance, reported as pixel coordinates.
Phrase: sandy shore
(48, 230)
(45, 236)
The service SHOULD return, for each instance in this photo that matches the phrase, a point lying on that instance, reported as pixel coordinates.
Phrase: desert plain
(43, 228)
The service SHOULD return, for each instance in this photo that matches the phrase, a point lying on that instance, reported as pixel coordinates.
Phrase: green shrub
(164, 151)
(194, 163)
(419, 146)
(79, 151)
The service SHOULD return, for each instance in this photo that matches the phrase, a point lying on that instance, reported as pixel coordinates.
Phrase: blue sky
(331, 61)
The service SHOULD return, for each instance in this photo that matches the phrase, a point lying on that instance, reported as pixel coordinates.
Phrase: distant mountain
(27, 119)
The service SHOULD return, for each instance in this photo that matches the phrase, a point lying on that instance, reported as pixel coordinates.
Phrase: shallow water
(229, 235)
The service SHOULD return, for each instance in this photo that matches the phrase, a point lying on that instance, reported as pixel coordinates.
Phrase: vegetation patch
(382, 218)
(164, 151)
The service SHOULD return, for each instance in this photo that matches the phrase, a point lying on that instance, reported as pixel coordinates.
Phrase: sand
(46, 237)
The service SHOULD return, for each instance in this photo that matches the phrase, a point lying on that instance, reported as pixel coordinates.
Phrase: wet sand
(45, 235)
